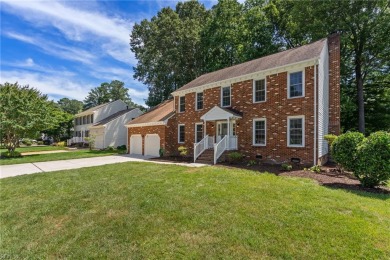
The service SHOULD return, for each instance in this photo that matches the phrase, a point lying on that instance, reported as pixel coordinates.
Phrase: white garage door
(136, 144)
(152, 145)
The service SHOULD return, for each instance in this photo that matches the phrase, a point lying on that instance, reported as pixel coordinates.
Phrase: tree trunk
(360, 96)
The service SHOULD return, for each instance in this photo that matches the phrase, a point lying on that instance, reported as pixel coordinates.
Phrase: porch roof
(218, 113)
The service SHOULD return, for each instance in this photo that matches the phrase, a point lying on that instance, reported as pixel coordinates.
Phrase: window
(259, 132)
(88, 119)
(296, 85)
(225, 96)
(91, 119)
(199, 101)
(86, 133)
(182, 104)
(198, 132)
(295, 131)
(181, 134)
(259, 91)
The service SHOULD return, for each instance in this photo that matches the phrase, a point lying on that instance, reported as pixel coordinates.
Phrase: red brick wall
(334, 83)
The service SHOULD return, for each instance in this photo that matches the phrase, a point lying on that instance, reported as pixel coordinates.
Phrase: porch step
(207, 157)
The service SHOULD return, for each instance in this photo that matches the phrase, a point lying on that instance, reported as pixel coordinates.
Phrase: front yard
(145, 210)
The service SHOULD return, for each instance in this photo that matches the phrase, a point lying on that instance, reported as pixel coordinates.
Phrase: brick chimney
(334, 83)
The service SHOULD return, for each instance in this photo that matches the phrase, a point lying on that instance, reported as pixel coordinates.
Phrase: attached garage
(152, 145)
(136, 144)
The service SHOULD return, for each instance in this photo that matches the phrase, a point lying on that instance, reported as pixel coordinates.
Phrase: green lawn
(25, 149)
(72, 154)
(145, 210)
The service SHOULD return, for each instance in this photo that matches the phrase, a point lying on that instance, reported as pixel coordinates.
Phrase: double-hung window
(225, 96)
(296, 86)
(182, 104)
(199, 101)
(296, 131)
(259, 132)
(181, 133)
(259, 91)
(198, 132)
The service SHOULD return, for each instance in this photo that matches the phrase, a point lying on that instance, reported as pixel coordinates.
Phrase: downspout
(315, 113)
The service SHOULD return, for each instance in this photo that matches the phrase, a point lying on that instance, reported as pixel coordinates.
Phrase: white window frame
(253, 131)
(196, 101)
(178, 133)
(180, 104)
(303, 83)
(230, 91)
(254, 90)
(303, 131)
(196, 132)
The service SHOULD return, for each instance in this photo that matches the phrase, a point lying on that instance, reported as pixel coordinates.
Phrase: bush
(315, 168)
(110, 148)
(344, 149)
(330, 138)
(27, 141)
(39, 142)
(287, 167)
(161, 152)
(12, 154)
(183, 150)
(235, 157)
(373, 164)
(252, 163)
(60, 144)
(121, 147)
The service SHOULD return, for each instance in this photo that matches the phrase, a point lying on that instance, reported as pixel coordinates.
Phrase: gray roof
(112, 117)
(298, 54)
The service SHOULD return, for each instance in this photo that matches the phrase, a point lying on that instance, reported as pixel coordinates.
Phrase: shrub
(27, 141)
(344, 149)
(12, 154)
(252, 163)
(235, 157)
(315, 168)
(40, 142)
(373, 164)
(110, 148)
(330, 138)
(161, 152)
(183, 150)
(121, 147)
(287, 167)
(60, 144)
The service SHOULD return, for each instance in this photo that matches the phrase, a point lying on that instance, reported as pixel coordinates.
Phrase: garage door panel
(136, 144)
(152, 145)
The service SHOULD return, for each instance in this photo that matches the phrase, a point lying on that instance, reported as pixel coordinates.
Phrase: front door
(222, 130)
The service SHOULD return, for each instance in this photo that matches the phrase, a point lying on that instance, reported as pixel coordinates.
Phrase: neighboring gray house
(105, 122)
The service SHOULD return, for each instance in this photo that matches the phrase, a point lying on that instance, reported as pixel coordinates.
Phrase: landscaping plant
(373, 160)
(287, 167)
(183, 150)
(344, 148)
(235, 157)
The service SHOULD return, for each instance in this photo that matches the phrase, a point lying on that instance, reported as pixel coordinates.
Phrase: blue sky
(65, 48)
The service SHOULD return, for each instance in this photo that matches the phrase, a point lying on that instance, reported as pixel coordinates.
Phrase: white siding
(323, 101)
(98, 133)
(108, 110)
(115, 130)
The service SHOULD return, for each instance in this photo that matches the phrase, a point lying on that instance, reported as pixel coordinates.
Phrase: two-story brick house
(276, 108)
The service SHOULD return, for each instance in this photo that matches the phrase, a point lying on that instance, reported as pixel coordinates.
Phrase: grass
(73, 154)
(25, 149)
(145, 210)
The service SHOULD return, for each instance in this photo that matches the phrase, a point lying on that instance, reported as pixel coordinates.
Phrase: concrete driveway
(30, 168)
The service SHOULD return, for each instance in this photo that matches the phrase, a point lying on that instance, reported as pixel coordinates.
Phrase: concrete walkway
(30, 168)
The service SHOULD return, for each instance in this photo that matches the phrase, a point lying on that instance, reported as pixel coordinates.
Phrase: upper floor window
(225, 96)
(296, 131)
(296, 85)
(259, 91)
(198, 132)
(91, 119)
(182, 104)
(259, 132)
(181, 134)
(199, 101)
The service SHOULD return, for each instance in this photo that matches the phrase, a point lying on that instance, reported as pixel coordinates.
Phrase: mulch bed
(330, 175)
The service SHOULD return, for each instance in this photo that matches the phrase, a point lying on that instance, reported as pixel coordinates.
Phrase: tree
(23, 112)
(364, 28)
(71, 106)
(108, 92)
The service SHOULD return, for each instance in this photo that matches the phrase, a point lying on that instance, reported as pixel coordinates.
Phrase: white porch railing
(220, 147)
(201, 146)
(75, 140)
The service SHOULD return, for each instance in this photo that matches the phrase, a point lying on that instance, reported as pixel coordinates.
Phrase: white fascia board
(147, 124)
(262, 73)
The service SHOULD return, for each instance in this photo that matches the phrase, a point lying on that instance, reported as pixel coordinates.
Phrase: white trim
(230, 96)
(303, 83)
(196, 124)
(178, 133)
(183, 96)
(147, 124)
(196, 101)
(253, 131)
(303, 131)
(315, 114)
(257, 74)
(254, 90)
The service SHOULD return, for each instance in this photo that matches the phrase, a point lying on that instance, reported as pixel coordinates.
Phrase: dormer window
(296, 85)
(182, 104)
(225, 96)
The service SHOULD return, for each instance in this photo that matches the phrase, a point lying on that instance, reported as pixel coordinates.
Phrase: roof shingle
(159, 113)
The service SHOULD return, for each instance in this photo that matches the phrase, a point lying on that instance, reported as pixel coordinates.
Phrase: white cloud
(138, 96)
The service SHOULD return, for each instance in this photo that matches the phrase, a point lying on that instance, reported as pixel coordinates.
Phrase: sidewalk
(30, 168)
